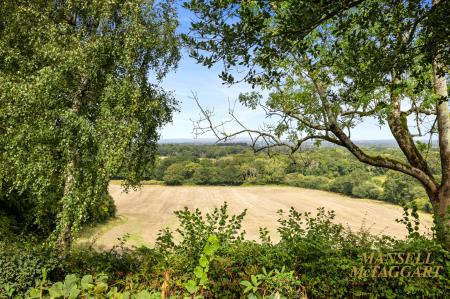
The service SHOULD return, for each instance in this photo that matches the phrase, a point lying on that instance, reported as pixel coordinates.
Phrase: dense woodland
(324, 168)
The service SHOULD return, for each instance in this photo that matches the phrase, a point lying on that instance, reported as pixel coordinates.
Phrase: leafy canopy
(76, 101)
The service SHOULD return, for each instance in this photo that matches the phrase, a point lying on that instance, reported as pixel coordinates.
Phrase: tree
(332, 64)
(76, 101)
(231, 175)
(206, 175)
(398, 187)
(175, 174)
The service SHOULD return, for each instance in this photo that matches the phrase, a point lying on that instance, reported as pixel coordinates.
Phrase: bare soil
(144, 212)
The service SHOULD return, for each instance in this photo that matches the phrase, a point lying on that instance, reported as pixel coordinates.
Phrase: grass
(135, 240)
(145, 182)
(92, 232)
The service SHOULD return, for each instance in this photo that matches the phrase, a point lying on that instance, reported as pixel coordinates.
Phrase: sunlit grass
(92, 232)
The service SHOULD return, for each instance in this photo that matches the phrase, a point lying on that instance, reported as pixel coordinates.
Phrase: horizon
(213, 140)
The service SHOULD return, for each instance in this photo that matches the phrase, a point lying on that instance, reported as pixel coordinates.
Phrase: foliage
(202, 150)
(101, 211)
(200, 283)
(328, 66)
(369, 189)
(327, 168)
(273, 283)
(398, 187)
(313, 259)
(21, 261)
(77, 105)
(195, 230)
(307, 181)
(175, 174)
(87, 286)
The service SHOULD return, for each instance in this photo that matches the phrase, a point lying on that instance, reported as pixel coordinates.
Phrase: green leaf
(203, 261)
(191, 286)
(144, 294)
(34, 293)
(70, 281)
(101, 287)
(211, 246)
(87, 282)
(198, 271)
(254, 280)
(248, 286)
(246, 283)
(203, 279)
(101, 277)
(73, 294)
(56, 290)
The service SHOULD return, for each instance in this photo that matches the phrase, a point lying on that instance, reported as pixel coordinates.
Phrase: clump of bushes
(101, 210)
(21, 262)
(368, 189)
(208, 257)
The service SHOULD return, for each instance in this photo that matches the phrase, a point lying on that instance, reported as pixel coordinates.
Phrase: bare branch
(263, 139)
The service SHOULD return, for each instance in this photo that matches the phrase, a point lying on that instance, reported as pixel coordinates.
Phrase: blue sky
(192, 77)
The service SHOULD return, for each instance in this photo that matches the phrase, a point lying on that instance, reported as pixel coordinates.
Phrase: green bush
(272, 284)
(21, 262)
(101, 210)
(194, 230)
(313, 259)
(174, 174)
(6, 224)
(87, 286)
(368, 189)
(231, 175)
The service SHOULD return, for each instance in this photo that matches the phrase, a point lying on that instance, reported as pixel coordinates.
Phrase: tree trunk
(443, 123)
(65, 233)
(441, 205)
(66, 220)
(442, 202)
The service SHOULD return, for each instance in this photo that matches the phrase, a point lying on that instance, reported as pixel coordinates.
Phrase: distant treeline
(202, 150)
(330, 169)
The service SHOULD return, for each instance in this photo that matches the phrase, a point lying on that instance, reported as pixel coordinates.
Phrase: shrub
(274, 284)
(368, 189)
(231, 175)
(314, 257)
(101, 210)
(206, 175)
(194, 230)
(174, 174)
(21, 262)
(87, 286)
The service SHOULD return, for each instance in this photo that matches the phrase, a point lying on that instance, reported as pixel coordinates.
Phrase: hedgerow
(209, 257)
